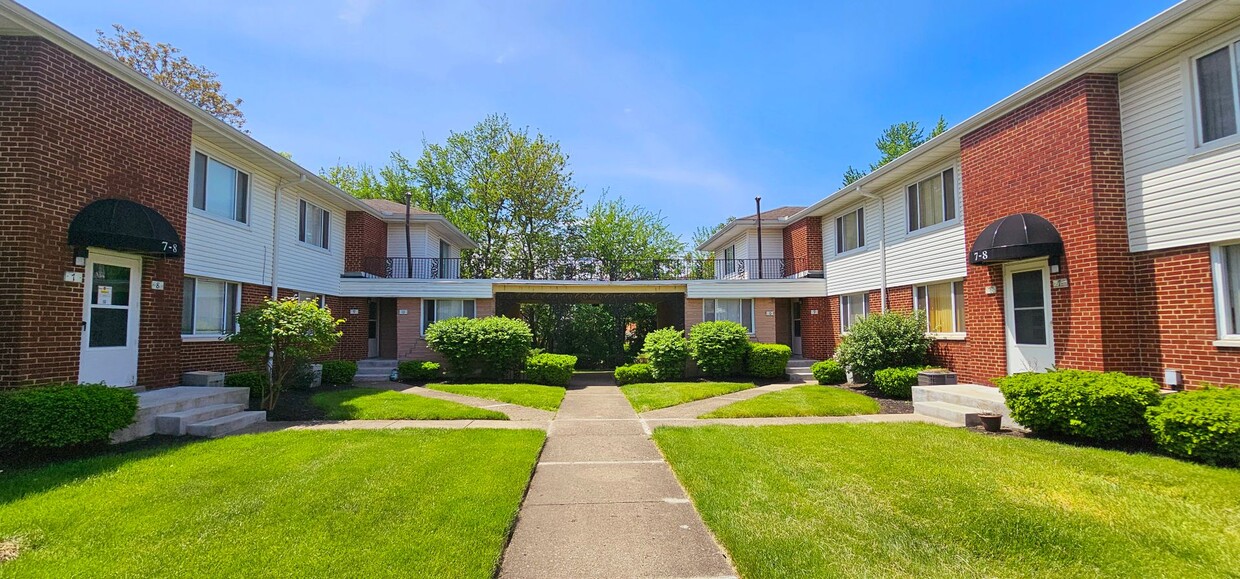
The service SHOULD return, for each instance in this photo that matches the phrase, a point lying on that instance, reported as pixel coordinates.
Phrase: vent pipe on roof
(758, 201)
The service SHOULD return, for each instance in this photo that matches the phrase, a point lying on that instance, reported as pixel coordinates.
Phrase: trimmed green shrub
(550, 369)
(767, 360)
(495, 346)
(339, 371)
(829, 372)
(417, 371)
(63, 415)
(668, 350)
(634, 374)
(1098, 406)
(890, 340)
(719, 348)
(896, 382)
(1200, 425)
(254, 380)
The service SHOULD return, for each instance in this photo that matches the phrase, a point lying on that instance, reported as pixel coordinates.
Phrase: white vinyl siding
(731, 310)
(435, 310)
(852, 308)
(225, 249)
(1178, 193)
(1226, 268)
(943, 304)
(303, 266)
(209, 307)
(396, 239)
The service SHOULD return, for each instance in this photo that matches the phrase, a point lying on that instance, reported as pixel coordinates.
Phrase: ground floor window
(435, 310)
(209, 307)
(853, 307)
(1227, 289)
(319, 299)
(943, 304)
(732, 310)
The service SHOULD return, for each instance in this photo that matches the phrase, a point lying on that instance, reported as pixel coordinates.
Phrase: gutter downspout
(882, 245)
(275, 233)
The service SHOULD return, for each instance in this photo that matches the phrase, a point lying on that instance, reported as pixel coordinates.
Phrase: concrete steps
(374, 370)
(799, 368)
(175, 410)
(217, 427)
(960, 403)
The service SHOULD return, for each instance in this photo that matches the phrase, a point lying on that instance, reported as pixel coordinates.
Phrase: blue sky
(688, 108)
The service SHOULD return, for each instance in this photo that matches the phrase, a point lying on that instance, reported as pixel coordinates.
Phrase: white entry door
(796, 327)
(110, 319)
(1027, 313)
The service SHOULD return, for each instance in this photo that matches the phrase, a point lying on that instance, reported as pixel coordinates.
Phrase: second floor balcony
(589, 269)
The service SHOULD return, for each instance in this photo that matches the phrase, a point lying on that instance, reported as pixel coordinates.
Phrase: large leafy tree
(164, 64)
(896, 140)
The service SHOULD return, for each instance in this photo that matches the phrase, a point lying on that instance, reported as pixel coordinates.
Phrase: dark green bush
(496, 346)
(339, 372)
(254, 380)
(889, 340)
(668, 350)
(719, 348)
(63, 415)
(829, 372)
(1098, 406)
(896, 382)
(418, 371)
(634, 374)
(550, 369)
(767, 360)
(1200, 425)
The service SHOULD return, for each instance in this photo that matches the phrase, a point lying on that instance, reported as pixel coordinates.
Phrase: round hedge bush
(418, 371)
(896, 382)
(768, 360)
(550, 369)
(496, 346)
(1096, 406)
(719, 348)
(829, 372)
(634, 374)
(339, 372)
(667, 350)
(1199, 425)
(888, 340)
(63, 415)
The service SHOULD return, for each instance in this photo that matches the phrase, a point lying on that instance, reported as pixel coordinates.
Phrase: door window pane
(109, 285)
(1030, 326)
(109, 327)
(1216, 94)
(1027, 289)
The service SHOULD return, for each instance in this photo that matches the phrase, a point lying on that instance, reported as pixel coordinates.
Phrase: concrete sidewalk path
(691, 410)
(515, 412)
(604, 503)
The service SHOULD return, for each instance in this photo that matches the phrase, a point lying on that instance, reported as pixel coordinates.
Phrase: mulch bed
(886, 404)
(295, 405)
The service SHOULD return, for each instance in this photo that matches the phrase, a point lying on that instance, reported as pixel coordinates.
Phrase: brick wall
(1059, 157)
(365, 236)
(72, 134)
(817, 331)
(410, 345)
(803, 245)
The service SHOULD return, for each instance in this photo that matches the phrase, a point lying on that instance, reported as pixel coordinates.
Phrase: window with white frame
(729, 260)
(1218, 100)
(931, 201)
(318, 299)
(315, 224)
(1227, 290)
(732, 310)
(850, 231)
(220, 189)
(853, 307)
(943, 304)
(209, 307)
(435, 310)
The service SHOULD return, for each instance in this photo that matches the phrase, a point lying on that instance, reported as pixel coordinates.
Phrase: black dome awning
(124, 226)
(1015, 237)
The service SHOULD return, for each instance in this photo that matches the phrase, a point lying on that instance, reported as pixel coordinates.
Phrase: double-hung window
(850, 231)
(943, 304)
(209, 307)
(853, 307)
(220, 189)
(315, 224)
(1218, 100)
(1227, 290)
(732, 310)
(435, 310)
(931, 201)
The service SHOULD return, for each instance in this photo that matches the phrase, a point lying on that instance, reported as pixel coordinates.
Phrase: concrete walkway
(604, 503)
(697, 408)
(515, 412)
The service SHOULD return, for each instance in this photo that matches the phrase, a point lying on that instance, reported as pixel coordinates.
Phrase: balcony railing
(586, 269)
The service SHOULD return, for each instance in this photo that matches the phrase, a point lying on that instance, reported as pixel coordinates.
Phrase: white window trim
(1192, 104)
(865, 308)
(249, 198)
(327, 217)
(860, 230)
(422, 310)
(957, 199)
(1218, 268)
(237, 310)
(953, 335)
(753, 316)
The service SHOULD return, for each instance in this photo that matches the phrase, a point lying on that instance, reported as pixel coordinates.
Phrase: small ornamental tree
(282, 337)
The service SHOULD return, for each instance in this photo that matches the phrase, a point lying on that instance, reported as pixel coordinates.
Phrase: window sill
(927, 230)
(203, 338)
(855, 251)
(1224, 145)
(314, 247)
(1227, 343)
(224, 220)
(947, 336)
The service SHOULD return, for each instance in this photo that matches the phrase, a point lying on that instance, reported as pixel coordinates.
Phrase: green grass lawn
(375, 404)
(800, 401)
(348, 503)
(657, 395)
(532, 395)
(917, 500)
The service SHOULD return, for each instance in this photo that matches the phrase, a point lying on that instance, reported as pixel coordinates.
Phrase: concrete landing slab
(599, 448)
(619, 482)
(602, 407)
(592, 427)
(613, 540)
